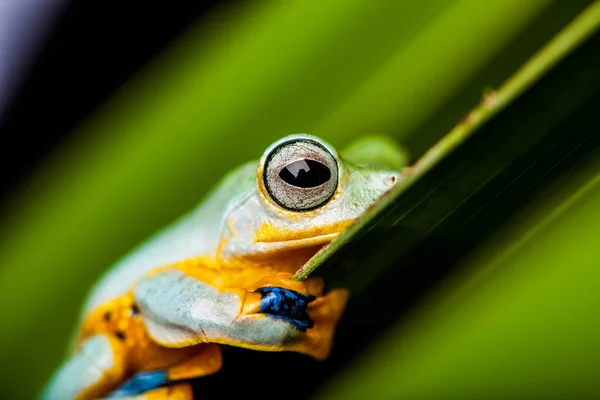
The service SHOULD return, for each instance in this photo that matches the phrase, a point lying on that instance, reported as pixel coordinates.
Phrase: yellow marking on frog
(247, 271)
(120, 320)
(181, 391)
(208, 270)
(206, 361)
(282, 259)
(313, 235)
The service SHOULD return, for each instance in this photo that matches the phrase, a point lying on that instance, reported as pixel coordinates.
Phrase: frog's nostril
(390, 180)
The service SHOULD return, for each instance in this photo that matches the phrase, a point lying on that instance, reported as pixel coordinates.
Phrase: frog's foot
(207, 360)
(286, 304)
(325, 312)
(140, 383)
(329, 307)
(181, 391)
(302, 304)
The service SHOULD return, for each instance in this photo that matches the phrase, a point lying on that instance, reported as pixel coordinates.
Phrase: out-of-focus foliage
(519, 323)
(218, 97)
(517, 320)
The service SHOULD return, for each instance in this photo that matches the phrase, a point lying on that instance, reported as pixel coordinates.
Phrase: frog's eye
(300, 175)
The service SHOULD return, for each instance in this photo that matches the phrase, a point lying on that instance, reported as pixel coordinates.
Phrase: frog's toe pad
(287, 305)
(140, 383)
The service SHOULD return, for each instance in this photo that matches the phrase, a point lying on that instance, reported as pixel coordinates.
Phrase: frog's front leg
(167, 383)
(180, 310)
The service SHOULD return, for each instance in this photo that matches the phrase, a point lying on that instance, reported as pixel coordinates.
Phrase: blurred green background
(217, 97)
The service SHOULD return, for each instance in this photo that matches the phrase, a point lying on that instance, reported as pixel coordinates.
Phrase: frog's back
(195, 234)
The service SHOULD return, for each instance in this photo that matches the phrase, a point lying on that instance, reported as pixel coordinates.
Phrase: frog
(223, 275)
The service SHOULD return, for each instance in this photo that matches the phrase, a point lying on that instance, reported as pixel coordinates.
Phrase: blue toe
(287, 305)
(140, 383)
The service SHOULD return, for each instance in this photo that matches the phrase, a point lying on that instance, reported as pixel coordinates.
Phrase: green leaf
(486, 256)
(487, 154)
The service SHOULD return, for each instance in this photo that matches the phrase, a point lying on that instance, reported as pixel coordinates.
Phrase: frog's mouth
(290, 254)
(276, 239)
(292, 244)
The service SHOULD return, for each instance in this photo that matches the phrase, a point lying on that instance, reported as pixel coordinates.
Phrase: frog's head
(304, 195)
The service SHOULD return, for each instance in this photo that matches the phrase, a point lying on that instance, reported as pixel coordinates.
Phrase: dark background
(90, 49)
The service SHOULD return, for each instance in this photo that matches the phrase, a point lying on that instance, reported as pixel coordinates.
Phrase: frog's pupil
(305, 173)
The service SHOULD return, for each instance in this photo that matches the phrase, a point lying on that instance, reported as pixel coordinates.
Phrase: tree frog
(222, 275)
